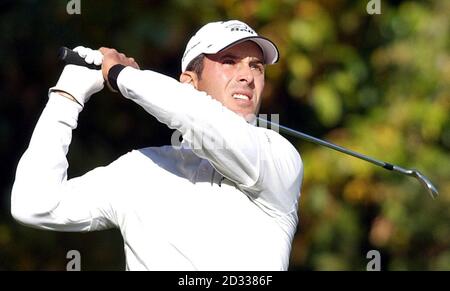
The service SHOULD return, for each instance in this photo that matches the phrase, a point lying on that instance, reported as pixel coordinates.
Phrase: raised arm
(42, 196)
(258, 160)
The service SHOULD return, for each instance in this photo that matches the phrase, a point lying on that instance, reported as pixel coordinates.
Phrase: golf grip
(69, 57)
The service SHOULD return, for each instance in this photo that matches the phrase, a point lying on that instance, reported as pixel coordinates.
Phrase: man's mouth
(242, 96)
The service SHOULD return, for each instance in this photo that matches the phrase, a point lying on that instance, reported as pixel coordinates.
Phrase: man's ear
(188, 77)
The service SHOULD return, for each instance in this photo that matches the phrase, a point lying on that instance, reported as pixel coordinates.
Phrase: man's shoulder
(279, 142)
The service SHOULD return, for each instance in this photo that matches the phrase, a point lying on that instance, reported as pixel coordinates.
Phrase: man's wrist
(113, 74)
(67, 95)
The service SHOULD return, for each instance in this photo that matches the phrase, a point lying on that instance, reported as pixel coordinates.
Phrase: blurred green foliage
(377, 84)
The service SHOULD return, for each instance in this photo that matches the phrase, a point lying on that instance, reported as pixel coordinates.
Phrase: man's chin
(248, 116)
(248, 113)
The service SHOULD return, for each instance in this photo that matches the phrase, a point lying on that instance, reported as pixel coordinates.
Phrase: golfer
(224, 198)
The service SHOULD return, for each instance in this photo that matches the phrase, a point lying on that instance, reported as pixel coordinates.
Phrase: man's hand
(77, 82)
(112, 57)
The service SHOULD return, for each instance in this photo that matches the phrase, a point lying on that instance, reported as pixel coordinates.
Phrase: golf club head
(426, 183)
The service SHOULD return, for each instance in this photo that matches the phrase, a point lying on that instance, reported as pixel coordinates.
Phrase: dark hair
(196, 65)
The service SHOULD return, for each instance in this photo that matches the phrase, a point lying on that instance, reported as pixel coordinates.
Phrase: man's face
(235, 77)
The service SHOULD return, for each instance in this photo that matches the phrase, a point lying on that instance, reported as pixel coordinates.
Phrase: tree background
(377, 84)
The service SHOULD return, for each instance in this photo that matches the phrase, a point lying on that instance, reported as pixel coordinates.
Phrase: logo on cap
(234, 27)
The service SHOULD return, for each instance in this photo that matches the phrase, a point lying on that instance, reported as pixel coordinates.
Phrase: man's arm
(42, 196)
(259, 161)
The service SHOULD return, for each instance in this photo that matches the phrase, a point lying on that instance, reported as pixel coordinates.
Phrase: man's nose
(245, 73)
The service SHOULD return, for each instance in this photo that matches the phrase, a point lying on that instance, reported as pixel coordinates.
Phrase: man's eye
(258, 67)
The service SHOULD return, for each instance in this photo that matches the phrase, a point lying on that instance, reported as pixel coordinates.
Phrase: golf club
(70, 57)
(409, 172)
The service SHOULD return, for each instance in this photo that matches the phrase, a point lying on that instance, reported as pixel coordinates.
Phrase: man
(226, 199)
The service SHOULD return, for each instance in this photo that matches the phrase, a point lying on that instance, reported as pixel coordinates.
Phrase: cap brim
(269, 49)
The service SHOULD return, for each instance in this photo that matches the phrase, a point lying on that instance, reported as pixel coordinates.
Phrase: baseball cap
(217, 36)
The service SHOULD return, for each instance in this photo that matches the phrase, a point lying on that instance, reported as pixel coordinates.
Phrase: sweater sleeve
(42, 196)
(258, 160)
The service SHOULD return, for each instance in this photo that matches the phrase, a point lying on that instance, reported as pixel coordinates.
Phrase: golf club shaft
(327, 144)
(432, 190)
(68, 56)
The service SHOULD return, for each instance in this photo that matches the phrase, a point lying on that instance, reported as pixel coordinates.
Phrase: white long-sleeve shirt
(194, 207)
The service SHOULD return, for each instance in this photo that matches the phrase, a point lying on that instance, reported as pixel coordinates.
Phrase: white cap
(216, 36)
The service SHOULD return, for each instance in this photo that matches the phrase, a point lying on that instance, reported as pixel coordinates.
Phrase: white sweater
(194, 207)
